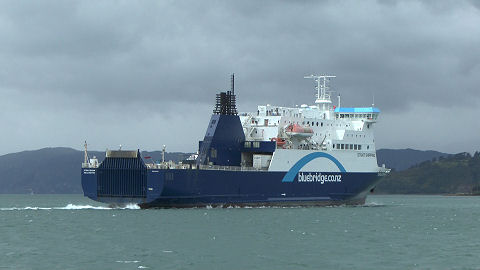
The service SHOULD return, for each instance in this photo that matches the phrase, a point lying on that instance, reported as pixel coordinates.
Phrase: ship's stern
(122, 178)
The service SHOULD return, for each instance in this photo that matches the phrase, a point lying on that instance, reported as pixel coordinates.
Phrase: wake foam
(373, 204)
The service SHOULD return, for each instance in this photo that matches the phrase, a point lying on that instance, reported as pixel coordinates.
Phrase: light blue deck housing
(357, 110)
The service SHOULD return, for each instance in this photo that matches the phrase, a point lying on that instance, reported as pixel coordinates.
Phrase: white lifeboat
(295, 130)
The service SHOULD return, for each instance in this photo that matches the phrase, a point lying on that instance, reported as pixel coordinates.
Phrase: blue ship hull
(166, 188)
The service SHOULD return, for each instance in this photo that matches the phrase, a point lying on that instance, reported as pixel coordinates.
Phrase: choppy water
(390, 232)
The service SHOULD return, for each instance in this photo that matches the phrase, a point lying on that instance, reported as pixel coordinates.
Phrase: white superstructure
(345, 133)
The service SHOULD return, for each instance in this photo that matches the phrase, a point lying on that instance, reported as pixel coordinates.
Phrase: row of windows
(249, 144)
(357, 115)
(341, 146)
(356, 135)
(308, 123)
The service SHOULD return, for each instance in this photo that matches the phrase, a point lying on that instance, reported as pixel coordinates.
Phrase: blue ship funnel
(224, 137)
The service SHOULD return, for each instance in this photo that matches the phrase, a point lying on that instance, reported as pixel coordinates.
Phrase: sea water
(389, 232)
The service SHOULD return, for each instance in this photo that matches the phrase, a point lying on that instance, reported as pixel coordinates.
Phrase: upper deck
(329, 126)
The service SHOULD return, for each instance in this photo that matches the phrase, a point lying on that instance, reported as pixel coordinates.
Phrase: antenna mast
(86, 153)
(233, 84)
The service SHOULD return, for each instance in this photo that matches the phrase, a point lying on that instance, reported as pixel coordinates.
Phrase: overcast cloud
(145, 73)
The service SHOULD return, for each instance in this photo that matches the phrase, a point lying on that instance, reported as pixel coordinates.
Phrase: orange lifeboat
(295, 130)
(280, 142)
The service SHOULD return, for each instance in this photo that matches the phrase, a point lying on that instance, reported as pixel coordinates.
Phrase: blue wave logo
(290, 175)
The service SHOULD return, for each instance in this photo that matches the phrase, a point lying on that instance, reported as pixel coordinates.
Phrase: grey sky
(145, 73)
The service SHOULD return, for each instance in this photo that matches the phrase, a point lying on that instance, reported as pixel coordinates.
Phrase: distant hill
(52, 170)
(458, 173)
(401, 159)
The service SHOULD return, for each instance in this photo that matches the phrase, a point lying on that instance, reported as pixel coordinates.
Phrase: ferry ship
(310, 155)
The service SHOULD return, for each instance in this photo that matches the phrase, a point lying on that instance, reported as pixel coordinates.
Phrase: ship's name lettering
(88, 171)
(365, 154)
(319, 178)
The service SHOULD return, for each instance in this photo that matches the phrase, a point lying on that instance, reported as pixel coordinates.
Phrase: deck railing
(168, 165)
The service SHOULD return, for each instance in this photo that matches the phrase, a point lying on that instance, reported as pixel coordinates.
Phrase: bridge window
(248, 144)
(256, 144)
(342, 146)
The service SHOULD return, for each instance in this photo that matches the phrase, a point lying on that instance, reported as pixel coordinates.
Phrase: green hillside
(458, 173)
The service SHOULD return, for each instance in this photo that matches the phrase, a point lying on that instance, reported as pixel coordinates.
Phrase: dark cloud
(133, 60)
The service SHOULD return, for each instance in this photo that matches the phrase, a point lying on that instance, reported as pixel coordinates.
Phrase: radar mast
(323, 95)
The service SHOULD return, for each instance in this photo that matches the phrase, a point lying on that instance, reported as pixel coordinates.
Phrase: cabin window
(333, 146)
(213, 153)
(317, 124)
(359, 147)
(346, 146)
(368, 146)
(256, 144)
(248, 144)
(342, 146)
(354, 147)
(338, 146)
(351, 146)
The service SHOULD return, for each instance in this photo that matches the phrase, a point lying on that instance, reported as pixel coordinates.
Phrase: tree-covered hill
(402, 159)
(458, 173)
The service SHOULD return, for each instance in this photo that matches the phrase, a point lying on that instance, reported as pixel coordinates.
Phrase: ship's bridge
(366, 114)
